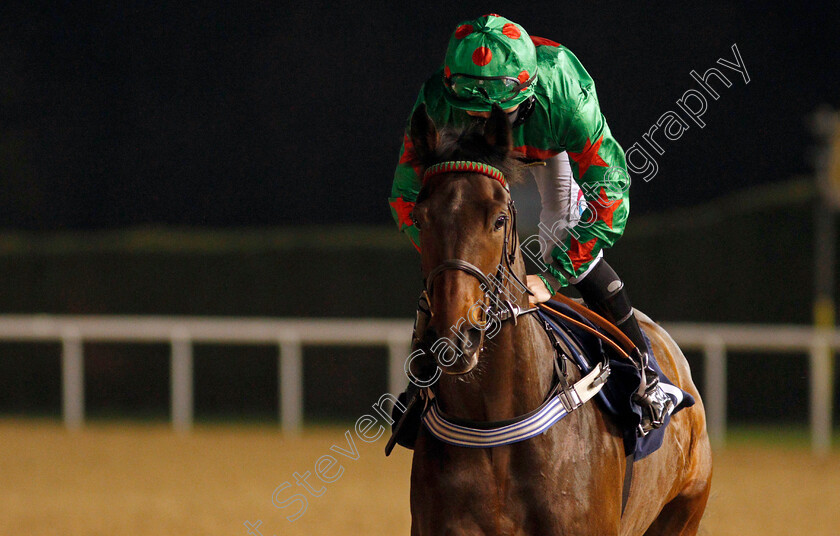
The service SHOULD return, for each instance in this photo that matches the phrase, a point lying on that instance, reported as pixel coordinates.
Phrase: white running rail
(290, 335)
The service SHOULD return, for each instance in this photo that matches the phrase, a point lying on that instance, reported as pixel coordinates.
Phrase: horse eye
(415, 221)
(500, 222)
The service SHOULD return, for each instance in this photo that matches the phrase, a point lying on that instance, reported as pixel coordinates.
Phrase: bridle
(501, 307)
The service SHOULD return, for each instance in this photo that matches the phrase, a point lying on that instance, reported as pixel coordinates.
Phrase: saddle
(616, 397)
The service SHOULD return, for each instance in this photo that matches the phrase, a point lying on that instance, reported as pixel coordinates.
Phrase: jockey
(551, 103)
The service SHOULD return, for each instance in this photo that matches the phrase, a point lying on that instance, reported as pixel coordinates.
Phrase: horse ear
(423, 133)
(497, 130)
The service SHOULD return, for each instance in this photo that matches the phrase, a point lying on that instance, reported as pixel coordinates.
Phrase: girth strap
(472, 434)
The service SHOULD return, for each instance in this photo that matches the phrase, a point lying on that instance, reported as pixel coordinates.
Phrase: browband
(453, 166)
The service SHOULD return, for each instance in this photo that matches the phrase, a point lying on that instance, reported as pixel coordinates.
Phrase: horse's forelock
(469, 144)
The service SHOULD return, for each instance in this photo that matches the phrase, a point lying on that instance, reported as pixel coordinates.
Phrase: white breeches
(562, 202)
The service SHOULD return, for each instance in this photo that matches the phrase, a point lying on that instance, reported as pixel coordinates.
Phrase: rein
(595, 318)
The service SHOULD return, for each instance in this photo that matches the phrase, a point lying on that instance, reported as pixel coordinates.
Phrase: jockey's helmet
(490, 60)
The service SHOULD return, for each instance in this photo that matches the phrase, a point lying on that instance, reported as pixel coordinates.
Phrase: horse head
(468, 236)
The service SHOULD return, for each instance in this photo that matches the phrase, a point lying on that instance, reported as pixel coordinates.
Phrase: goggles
(490, 89)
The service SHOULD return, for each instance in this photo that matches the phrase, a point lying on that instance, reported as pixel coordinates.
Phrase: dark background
(274, 113)
(163, 160)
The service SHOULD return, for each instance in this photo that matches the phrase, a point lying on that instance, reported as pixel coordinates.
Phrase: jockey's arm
(407, 184)
(598, 166)
(404, 192)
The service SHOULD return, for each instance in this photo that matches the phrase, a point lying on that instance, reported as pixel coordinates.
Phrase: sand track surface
(144, 479)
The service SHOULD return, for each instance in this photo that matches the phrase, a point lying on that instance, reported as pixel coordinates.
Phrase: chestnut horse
(569, 479)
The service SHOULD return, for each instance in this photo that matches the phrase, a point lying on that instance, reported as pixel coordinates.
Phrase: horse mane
(469, 143)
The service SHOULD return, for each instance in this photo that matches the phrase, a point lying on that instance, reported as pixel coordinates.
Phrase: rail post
(714, 351)
(72, 379)
(181, 383)
(821, 382)
(290, 382)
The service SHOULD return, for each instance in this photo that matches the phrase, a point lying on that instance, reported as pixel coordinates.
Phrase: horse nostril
(474, 337)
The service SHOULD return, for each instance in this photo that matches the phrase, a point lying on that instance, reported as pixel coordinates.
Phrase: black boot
(650, 396)
(604, 293)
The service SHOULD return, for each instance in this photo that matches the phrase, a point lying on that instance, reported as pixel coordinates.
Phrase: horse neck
(513, 375)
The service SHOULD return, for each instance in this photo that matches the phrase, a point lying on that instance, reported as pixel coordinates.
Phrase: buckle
(570, 399)
(602, 378)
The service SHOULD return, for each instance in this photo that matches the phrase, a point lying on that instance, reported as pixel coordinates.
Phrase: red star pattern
(409, 156)
(588, 156)
(580, 253)
(403, 209)
(604, 207)
(536, 154)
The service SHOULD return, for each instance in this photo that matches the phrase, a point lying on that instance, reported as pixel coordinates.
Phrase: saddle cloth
(616, 398)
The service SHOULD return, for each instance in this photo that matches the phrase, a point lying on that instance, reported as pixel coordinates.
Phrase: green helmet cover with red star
(489, 60)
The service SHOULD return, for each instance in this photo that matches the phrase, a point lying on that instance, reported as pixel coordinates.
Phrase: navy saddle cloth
(616, 396)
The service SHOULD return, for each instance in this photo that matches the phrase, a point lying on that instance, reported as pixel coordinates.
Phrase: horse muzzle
(456, 352)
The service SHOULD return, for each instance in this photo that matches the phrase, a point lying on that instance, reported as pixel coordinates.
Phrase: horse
(569, 479)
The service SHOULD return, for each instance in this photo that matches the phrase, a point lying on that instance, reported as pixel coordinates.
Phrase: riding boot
(604, 293)
(650, 395)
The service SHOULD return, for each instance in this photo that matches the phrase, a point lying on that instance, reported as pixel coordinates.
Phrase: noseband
(500, 307)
